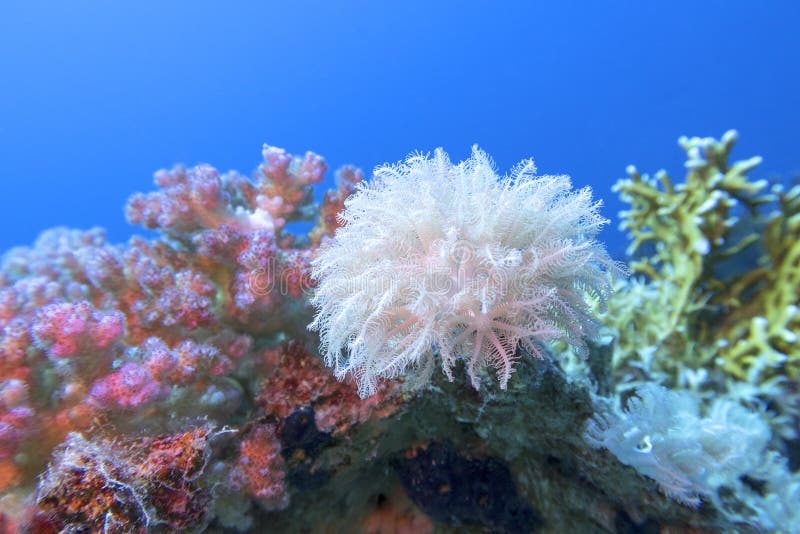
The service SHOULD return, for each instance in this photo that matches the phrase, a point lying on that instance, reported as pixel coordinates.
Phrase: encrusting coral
(452, 260)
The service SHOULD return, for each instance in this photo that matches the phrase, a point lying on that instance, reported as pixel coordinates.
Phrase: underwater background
(96, 96)
(410, 332)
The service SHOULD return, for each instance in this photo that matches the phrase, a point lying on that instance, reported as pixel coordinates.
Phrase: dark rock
(460, 490)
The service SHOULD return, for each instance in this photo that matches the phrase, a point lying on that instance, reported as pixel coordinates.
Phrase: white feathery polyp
(436, 260)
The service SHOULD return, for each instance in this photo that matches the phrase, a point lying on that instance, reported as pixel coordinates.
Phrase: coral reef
(172, 385)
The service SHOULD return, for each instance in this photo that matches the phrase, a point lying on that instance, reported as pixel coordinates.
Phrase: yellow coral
(685, 234)
(764, 326)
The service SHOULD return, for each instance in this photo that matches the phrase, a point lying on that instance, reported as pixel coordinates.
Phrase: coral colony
(452, 258)
(446, 349)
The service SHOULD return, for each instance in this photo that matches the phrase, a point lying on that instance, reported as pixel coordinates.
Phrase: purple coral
(67, 329)
(131, 386)
(157, 329)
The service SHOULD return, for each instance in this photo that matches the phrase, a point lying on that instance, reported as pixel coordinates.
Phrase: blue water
(95, 96)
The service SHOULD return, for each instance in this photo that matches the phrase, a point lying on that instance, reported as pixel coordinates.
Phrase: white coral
(435, 258)
(662, 434)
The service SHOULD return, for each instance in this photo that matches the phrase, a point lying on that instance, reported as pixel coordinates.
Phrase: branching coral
(436, 257)
(714, 313)
(697, 242)
(765, 319)
(155, 334)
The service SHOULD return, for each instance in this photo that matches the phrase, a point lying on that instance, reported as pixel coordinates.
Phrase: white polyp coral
(662, 434)
(435, 258)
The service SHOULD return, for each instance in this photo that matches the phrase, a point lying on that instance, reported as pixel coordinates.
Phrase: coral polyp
(435, 257)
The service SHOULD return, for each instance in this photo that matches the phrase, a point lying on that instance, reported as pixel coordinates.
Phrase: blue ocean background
(96, 96)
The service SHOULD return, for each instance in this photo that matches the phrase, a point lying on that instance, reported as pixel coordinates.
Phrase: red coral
(172, 466)
(260, 469)
(165, 292)
(190, 200)
(347, 180)
(295, 279)
(184, 454)
(153, 331)
(132, 386)
(285, 181)
(298, 380)
(16, 416)
(101, 486)
(69, 329)
(15, 338)
(84, 490)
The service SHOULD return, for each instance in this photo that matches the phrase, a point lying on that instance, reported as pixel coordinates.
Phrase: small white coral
(663, 436)
(435, 258)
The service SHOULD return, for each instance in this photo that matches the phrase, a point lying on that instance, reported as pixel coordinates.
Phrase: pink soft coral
(435, 258)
